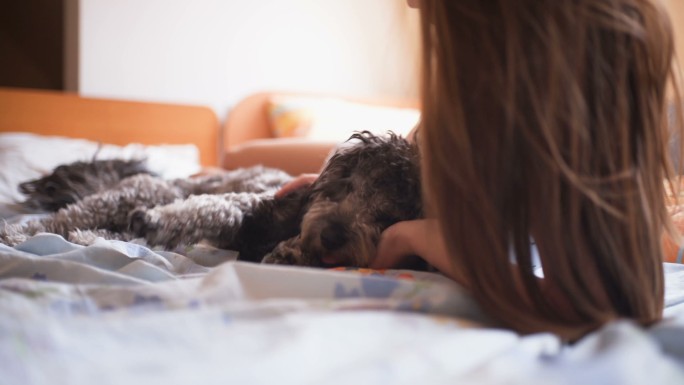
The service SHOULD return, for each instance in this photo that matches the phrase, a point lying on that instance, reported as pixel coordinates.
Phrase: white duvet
(119, 313)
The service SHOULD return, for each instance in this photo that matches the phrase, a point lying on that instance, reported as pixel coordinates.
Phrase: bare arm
(423, 238)
(420, 237)
(297, 183)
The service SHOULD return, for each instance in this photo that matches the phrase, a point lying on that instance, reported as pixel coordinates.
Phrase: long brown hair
(545, 121)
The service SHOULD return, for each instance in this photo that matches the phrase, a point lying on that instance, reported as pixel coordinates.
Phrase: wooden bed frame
(110, 121)
(243, 141)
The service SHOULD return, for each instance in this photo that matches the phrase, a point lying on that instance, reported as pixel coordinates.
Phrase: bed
(122, 313)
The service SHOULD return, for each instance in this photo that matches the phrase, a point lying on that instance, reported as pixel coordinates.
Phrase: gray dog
(363, 189)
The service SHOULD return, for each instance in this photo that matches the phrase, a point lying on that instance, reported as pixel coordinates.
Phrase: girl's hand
(420, 237)
(295, 184)
(413, 3)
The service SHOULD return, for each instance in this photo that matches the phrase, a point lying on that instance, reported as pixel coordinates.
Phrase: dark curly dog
(363, 189)
(337, 221)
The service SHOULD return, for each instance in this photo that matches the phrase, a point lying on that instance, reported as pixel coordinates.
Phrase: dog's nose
(333, 236)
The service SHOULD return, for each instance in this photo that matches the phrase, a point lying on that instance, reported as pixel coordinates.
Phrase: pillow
(334, 119)
(25, 156)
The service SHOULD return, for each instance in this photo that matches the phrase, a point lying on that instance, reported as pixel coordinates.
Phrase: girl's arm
(420, 237)
(295, 184)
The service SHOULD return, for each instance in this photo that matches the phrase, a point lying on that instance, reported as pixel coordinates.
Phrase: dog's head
(364, 188)
(70, 183)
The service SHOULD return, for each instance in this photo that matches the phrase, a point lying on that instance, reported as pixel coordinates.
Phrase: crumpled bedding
(25, 156)
(120, 313)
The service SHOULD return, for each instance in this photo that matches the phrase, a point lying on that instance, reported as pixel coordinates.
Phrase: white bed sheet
(25, 156)
(119, 313)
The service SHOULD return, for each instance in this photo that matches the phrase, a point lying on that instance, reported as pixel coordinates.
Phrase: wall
(676, 8)
(215, 52)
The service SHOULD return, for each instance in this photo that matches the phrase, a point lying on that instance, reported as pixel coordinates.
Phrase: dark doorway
(32, 44)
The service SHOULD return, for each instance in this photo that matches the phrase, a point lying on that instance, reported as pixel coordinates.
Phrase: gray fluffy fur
(213, 201)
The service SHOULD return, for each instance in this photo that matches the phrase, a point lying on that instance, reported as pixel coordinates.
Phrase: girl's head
(546, 121)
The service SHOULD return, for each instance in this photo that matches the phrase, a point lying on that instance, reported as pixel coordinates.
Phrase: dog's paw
(283, 257)
(279, 259)
(284, 254)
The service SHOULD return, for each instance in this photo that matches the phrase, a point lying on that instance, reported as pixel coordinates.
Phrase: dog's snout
(333, 236)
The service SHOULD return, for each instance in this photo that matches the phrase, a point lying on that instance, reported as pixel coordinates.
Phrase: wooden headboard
(110, 121)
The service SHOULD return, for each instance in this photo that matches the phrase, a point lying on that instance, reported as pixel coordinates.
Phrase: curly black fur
(271, 222)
